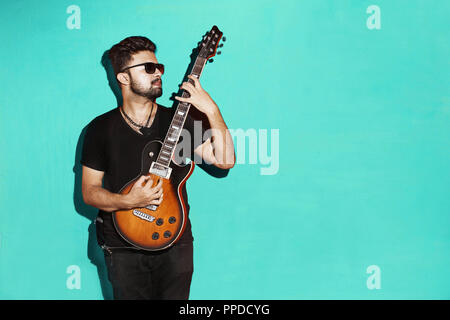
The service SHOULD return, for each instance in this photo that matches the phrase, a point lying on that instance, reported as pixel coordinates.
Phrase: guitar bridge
(160, 170)
(143, 215)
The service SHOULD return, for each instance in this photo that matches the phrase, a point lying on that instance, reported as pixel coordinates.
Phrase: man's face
(142, 83)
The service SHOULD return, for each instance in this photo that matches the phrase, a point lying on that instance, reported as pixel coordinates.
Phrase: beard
(151, 93)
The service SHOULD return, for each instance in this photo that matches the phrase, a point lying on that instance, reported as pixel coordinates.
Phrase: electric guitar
(157, 227)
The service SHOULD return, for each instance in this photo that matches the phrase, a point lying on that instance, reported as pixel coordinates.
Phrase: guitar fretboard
(181, 112)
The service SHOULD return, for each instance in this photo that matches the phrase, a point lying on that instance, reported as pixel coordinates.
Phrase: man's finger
(188, 86)
(157, 186)
(182, 99)
(157, 195)
(142, 179)
(149, 184)
(197, 83)
(156, 201)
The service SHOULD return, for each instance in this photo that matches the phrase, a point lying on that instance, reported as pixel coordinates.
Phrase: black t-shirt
(112, 146)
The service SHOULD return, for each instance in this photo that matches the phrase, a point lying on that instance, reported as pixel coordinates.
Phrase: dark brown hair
(120, 53)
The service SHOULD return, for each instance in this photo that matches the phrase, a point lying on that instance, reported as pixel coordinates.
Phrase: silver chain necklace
(143, 129)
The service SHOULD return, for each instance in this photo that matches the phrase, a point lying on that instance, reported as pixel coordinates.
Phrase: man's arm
(139, 196)
(219, 149)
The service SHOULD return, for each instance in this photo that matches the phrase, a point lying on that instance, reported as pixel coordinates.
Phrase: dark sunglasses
(150, 67)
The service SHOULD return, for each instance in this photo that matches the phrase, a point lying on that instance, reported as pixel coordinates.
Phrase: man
(112, 157)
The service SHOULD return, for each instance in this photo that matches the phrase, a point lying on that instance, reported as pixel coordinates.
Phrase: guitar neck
(181, 112)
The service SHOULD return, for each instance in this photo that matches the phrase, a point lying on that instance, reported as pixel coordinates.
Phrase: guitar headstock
(210, 42)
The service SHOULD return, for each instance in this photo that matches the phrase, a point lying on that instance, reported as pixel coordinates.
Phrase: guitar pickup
(160, 170)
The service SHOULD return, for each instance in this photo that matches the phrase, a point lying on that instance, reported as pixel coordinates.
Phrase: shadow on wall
(94, 252)
(112, 81)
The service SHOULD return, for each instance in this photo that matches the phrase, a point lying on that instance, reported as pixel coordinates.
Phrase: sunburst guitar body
(156, 227)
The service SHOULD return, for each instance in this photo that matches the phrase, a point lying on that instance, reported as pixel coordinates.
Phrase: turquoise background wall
(358, 206)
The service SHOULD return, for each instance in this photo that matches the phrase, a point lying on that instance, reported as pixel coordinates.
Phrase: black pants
(139, 274)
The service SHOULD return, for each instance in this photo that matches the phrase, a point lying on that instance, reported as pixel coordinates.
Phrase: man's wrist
(123, 201)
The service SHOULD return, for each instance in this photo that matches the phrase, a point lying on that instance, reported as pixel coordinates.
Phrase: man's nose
(158, 72)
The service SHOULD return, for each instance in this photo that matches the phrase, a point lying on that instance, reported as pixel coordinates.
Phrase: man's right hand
(141, 196)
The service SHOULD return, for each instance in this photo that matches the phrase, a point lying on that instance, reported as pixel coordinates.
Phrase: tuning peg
(224, 39)
(219, 52)
(220, 45)
(211, 60)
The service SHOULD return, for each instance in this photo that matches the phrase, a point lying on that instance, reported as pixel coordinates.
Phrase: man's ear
(123, 78)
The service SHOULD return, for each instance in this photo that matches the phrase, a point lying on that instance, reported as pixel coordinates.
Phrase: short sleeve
(93, 152)
(197, 129)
